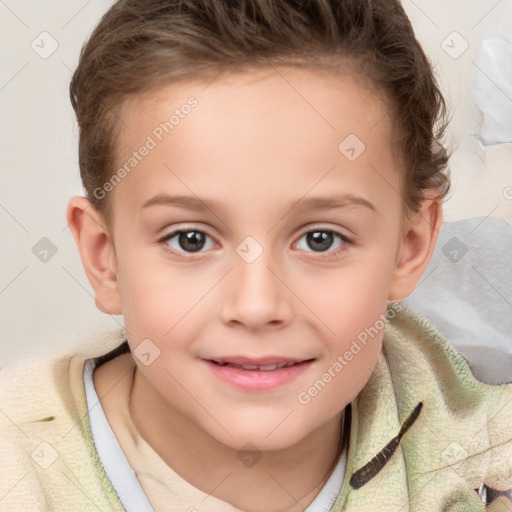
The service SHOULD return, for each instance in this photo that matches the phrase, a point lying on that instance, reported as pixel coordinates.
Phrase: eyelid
(323, 227)
(184, 228)
(345, 234)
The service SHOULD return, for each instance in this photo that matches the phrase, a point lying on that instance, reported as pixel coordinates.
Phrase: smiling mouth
(257, 374)
(260, 367)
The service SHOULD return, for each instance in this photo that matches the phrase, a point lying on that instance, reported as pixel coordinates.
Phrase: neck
(287, 480)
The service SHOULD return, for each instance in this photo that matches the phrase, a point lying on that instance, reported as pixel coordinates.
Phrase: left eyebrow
(330, 203)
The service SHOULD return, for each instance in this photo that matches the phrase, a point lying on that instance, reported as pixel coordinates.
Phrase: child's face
(257, 148)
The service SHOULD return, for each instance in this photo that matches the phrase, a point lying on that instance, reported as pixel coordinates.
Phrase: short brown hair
(141, 45)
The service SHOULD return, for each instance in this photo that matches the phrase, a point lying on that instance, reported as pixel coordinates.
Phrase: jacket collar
(406, 456)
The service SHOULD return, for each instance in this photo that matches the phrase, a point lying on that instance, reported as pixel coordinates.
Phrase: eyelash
(323, 256)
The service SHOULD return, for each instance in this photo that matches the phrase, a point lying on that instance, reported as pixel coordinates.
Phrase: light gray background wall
(46, 302)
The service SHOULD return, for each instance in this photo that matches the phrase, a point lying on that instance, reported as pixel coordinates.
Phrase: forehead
(289, 128)
(284, 94)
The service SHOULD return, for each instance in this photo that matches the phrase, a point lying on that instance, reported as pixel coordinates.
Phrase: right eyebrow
(187, 202)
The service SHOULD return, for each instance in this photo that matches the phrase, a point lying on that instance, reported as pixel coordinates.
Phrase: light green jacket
(461, 439)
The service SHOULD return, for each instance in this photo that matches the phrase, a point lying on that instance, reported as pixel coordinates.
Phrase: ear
(96, 251)
(421, 232)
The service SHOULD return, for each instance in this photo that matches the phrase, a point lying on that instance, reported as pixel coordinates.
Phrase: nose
(257, 296)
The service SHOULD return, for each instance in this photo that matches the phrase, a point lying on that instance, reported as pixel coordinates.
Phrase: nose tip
(256, 297)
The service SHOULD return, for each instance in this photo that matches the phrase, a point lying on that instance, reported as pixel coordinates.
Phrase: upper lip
(259, 361)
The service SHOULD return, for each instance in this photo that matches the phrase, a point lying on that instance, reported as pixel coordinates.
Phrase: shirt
(142, 478)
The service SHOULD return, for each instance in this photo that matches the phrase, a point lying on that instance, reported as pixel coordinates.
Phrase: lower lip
(258, 380)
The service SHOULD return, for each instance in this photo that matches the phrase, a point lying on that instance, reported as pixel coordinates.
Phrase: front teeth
(269, 367)
(265, 368)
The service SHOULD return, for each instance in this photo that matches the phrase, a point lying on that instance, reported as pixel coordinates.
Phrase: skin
(257, 142)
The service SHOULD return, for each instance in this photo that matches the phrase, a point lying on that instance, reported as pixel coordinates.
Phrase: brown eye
(191, 240)
(186, 241)
(321, 240)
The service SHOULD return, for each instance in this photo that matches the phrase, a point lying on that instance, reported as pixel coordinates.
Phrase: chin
(265, 436)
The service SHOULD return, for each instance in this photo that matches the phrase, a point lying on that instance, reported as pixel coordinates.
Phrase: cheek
(339, 384)
(354, 309)
(157, 298)
(356, 373)
(350, 300)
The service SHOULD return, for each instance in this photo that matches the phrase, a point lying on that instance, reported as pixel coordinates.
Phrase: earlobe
(97, 253)
(417, 247)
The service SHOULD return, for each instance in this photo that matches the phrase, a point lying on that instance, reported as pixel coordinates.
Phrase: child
(261, 371)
